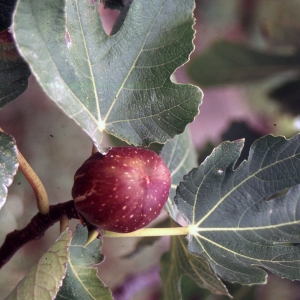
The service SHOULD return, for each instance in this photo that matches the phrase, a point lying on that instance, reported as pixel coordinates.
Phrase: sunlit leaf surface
(118, 83)
(81, 281)
(236, 221)
(45, 278)
(8, 164)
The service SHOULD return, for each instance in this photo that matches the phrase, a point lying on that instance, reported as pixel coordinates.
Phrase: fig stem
(94, 149)
(93, 234)
(35, 182)
(144, 232)
(63, 222)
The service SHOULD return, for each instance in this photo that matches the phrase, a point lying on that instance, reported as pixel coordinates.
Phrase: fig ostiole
(123, 190)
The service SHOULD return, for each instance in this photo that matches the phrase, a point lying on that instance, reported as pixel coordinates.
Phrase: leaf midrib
(234, 252)
(78, 277)
(132, 67)
(90, 67)
(58, 71)
(233, 229)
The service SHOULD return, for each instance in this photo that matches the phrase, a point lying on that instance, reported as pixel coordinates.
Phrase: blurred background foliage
(255, 43)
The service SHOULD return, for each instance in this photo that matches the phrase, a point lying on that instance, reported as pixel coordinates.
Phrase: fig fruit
(123, 190)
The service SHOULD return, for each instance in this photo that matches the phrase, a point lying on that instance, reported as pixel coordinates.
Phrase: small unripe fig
(123, 190)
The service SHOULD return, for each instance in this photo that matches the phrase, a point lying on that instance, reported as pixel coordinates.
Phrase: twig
(35, 229)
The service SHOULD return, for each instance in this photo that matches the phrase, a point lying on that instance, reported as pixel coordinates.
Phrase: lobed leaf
(8, 164)
(45, 278)
(120, 83)
(229, 63)
(236, 222)
(81, 281)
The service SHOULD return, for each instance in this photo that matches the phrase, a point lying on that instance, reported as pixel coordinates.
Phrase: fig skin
(123, 190)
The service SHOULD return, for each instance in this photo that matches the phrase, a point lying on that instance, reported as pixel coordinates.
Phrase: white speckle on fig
(123, 190)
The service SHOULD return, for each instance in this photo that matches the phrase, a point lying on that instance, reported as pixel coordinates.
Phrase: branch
(35, 229)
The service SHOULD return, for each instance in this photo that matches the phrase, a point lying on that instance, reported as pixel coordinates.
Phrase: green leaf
(81, 281)
(14, 72)
(118, 83)
(179, 262)
(232, 223)
(180, 156)
(8, 164)
(45, 278)
(230, 63)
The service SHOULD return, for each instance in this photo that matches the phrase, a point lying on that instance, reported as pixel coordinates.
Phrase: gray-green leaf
(8, 164)
(232, 222)
(45, 278)
(81, 281)
(120, 83)
(180, 156)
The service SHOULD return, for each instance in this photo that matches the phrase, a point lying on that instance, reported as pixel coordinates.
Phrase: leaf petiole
(36, 184)
(144, 232)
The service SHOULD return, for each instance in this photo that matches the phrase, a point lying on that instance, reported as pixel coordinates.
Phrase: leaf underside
(120, 83)
(45, 278)
(8, 164)
(81, 281)
(234, 227)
